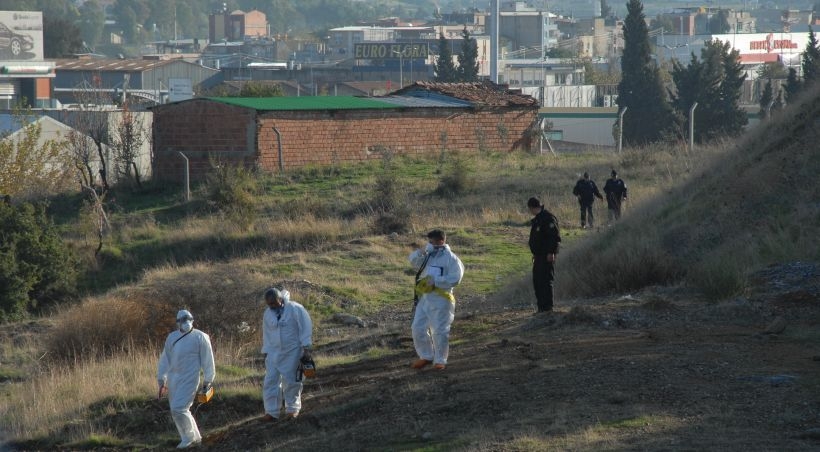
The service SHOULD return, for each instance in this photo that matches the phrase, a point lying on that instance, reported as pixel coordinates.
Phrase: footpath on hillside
(659, 369)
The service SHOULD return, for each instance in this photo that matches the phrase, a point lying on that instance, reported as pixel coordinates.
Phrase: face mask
(186, 326)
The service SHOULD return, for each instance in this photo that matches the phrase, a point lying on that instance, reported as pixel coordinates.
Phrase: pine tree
(715, 83)
(792, 86)
(811, 61)
(732, 118)
(445, 70)
(649, 115)
(468, 60)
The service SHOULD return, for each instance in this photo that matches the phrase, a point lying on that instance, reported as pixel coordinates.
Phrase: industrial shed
(280, 133)
(151, 79)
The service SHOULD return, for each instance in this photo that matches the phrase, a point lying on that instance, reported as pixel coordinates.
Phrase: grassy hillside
(707, 218)
(755, 205)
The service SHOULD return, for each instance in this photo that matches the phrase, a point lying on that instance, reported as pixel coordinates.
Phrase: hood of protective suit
(187, 322)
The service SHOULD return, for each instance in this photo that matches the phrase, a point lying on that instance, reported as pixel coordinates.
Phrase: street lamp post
(401, 67)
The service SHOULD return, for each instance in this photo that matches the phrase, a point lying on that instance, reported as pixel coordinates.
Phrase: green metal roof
(305, 103)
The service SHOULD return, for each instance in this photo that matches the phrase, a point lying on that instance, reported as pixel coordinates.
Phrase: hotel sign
(391, 50)
(770, 43)
(763, 43)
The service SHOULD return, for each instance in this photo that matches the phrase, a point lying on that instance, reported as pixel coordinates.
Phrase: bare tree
(98, 216)
(92, 121)
(81, 150)
(127, 140)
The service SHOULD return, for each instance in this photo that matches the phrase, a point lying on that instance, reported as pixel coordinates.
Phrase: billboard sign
(389, 51)
(21, 35)
(180, 89)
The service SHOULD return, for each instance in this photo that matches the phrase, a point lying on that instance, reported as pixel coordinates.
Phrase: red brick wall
(351, 135)
(201, 128)
(198, 127)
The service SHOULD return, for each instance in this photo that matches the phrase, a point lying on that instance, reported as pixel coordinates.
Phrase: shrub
(456, 179)
(719, 278)
(36, 267)
(230, 190)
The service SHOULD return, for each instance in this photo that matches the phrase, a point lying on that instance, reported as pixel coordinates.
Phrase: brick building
(280, 133)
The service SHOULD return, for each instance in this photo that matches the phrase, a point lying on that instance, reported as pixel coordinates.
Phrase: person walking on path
(586, 191)
(286, 339)
(545, 238)
(615, 191)
(440, 270)
(187, 352)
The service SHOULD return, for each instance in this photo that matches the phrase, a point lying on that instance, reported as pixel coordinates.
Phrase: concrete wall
(200, 128)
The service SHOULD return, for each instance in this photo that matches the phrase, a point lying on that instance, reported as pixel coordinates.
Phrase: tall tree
(811, 61)
(766, 100)
(61, 38)
(719, 23)
(772, 70)
(649, 115)
(92, 20)
(792, 86)
(468, 60)
(445, 70)
(715, 84)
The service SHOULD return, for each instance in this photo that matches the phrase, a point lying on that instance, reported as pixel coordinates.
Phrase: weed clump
(230, 189)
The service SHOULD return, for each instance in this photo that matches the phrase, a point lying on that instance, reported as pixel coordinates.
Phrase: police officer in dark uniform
(544, 240)
(586, 191)
(615, 190)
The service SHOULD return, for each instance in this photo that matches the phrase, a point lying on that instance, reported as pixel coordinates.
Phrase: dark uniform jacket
(615, 190)
(586, 190)
(544, 235)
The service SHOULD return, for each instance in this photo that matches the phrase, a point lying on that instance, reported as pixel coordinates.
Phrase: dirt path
(655, 371)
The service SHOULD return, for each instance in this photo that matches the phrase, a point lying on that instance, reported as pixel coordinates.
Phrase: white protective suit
(435, 312)
(179, 367)
(283, 341)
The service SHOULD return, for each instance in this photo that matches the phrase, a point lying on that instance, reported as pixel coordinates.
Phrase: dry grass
(59, 402)
(678, 217)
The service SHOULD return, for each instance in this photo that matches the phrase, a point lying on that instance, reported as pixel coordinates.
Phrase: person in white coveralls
(187, 352)
(286, 340)
(438, 271)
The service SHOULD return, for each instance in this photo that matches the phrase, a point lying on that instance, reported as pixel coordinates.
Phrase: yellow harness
(424, 287)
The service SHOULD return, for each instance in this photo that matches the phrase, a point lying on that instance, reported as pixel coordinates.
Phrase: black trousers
(543, 275)
(586, 213)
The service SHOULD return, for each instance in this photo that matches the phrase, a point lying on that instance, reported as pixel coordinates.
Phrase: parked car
(14, 43)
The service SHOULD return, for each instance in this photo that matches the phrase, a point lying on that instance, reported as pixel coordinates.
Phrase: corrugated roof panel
(305, 103)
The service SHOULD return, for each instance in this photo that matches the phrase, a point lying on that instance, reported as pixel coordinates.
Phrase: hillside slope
(634, 366)
(659, 369)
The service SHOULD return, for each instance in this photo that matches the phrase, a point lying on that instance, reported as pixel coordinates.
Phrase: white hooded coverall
(179, 367)
(435, 313)
(283, 340)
